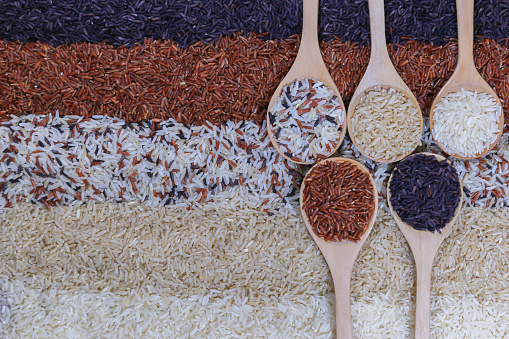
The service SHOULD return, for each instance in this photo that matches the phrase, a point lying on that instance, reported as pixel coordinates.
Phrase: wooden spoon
(340, 258)
(307, 64)
(466, 75)
(380, 70)
(424, 245)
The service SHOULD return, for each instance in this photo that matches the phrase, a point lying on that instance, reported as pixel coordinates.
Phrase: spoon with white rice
(466, 118)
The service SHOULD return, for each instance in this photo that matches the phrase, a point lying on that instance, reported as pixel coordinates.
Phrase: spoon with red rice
(339, 203)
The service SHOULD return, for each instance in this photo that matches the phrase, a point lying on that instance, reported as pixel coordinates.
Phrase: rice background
(222, 271)
(135, 256)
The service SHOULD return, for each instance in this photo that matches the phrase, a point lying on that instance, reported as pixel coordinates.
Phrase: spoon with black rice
(425, 195)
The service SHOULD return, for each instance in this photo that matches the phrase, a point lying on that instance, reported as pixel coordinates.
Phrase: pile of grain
(385, 124)
(465, 123)
(159, 79)
(231, 271)
(243, 162)
(425, 192)
(307, 120)
(52, 160)
(128, 21)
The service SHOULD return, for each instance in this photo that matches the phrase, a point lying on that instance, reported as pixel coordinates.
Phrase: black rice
(125, 22)
(425, 192)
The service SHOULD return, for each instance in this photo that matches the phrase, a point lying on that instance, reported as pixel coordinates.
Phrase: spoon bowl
(340, 256)
(424, 246)
(466, 75)
(308, 64)
(380, 71)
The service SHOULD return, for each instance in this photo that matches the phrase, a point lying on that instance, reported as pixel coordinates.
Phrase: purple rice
(425, 192)
(125, 22)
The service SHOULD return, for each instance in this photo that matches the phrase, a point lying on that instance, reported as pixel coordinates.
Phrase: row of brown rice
(231, 271)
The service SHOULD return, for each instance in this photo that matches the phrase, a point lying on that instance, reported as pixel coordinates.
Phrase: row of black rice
(187, 21)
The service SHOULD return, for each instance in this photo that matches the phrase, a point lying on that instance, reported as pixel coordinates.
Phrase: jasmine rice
(307, 120)
(465, 123)
(226, 269)
(385, 124)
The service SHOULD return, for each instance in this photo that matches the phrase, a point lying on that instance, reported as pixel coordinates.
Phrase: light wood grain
(380, 70)
(307, 64)
(424, 246)
(466, 75)
(340, 258)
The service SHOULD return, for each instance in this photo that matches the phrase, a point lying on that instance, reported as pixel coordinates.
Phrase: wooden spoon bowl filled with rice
(384, 123)
(306, 123)
(466, 118)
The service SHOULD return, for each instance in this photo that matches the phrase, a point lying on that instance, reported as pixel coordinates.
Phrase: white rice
(465, 123)
(385, 124)
(227, 270)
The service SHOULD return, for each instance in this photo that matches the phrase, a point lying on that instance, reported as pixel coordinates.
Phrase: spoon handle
(341, 278)
(465, 17)
(422, 310)
(309, 42)
(377, 29)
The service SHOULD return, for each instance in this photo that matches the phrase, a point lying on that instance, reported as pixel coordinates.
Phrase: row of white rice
(76, 160)
(229, 270)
